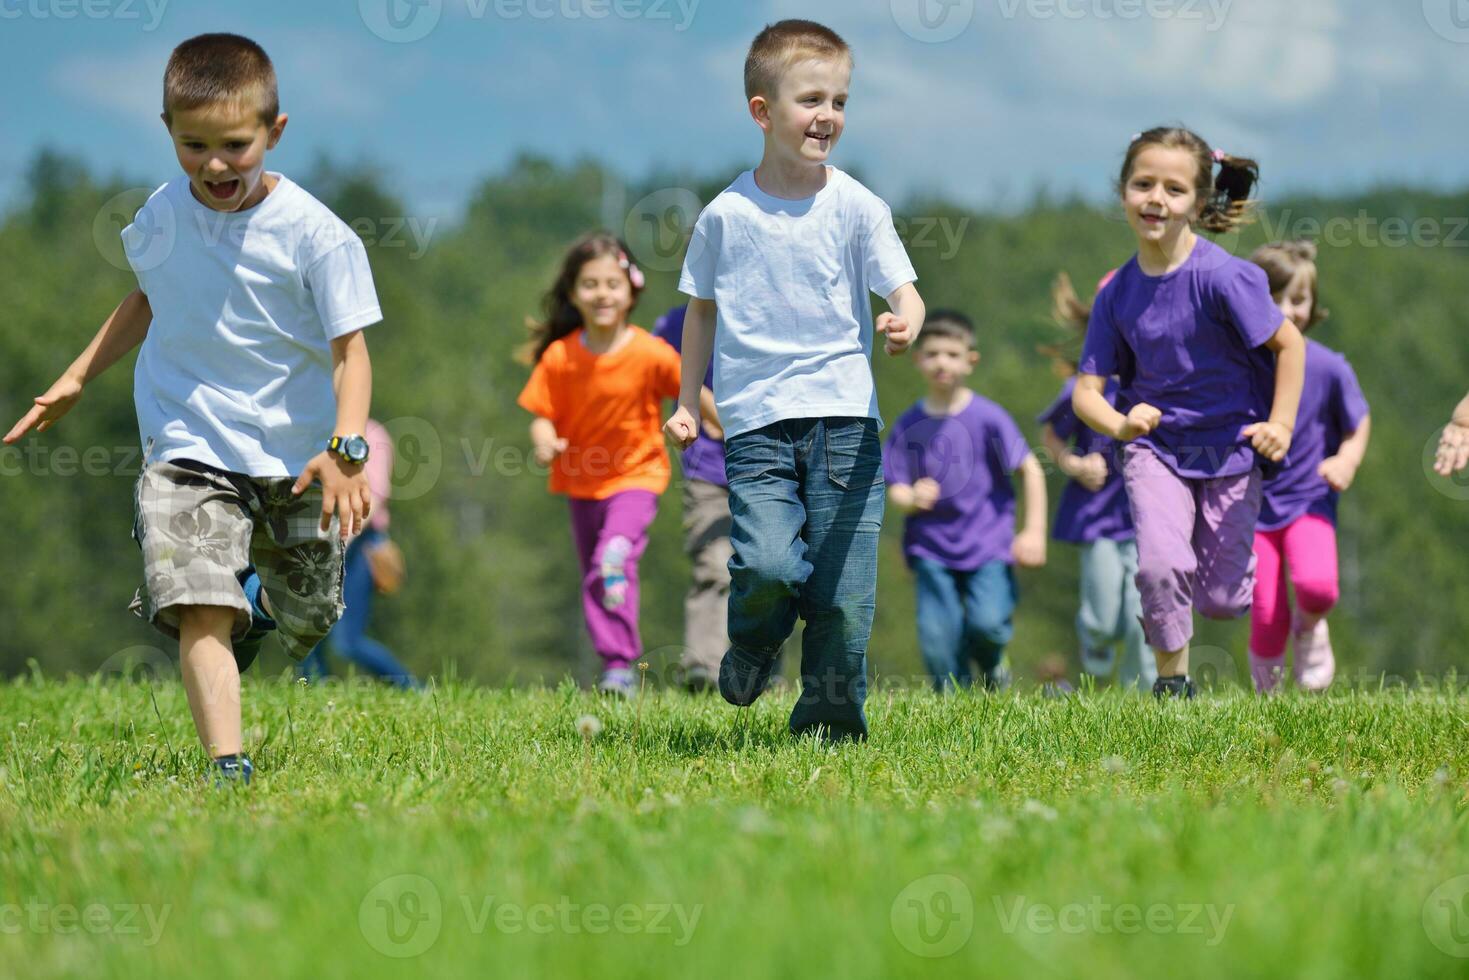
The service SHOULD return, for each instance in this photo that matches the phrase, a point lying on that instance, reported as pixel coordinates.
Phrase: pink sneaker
(1315, 664)
(1267, 672)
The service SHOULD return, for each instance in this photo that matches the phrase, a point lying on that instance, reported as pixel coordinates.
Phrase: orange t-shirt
(608, 407)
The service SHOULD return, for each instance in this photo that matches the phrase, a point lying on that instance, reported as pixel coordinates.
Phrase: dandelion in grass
(1035, 808)
(1114, 764)
(588, 727)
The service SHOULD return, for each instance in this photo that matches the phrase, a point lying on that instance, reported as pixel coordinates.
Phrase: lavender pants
(1195, 542)
(611, 535)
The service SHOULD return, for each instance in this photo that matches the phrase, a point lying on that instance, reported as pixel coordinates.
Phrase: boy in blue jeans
(252, 385)
(948, 465)
(783, 260)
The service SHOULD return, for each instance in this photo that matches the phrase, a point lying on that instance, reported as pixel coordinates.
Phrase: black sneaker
(743, 676)
(1177, 686)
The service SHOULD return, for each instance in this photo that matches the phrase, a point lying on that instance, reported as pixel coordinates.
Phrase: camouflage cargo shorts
(200, 527)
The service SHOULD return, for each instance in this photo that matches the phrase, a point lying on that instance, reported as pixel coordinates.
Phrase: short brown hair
(777, 47)
(214, 69)
(1226, 198)
(1281, 261)
(948, 325)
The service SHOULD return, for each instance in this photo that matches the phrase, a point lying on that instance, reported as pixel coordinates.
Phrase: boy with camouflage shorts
(252, 388)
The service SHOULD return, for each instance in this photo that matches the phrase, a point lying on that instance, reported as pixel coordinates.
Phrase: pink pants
(1308, 548)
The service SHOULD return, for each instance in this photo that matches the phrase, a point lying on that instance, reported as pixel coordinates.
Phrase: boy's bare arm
(120, 333)
(345, 492)
(698, 345)
(1030, 544)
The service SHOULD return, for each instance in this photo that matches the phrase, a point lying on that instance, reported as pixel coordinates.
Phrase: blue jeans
(964, 617)
(1112, 613)
(348, 638)
(806, 498)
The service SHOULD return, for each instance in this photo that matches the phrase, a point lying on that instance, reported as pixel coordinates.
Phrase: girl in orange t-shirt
(596, 392)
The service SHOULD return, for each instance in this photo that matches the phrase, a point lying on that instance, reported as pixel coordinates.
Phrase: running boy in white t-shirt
(784, 260)
(251, 388)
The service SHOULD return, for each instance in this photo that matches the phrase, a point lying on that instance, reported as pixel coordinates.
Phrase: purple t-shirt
(1189, 343)
(704, 460)
(1332, 406)
(971, 454)
(1085, 516)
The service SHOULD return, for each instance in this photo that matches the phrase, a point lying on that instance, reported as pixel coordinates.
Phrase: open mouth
(222, 190)
(822, 138)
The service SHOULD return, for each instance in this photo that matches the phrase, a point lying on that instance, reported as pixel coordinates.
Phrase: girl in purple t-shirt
(1297, 529)
(1094, 515)
(1190, 331)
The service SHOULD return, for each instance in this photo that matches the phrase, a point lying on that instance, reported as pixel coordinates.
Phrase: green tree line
(492, 587)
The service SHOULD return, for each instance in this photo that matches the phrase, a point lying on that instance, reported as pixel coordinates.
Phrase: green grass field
(476, 832)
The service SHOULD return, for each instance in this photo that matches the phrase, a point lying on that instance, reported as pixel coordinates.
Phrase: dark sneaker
(699, 680)
(743, 676)
(1177, 686)
(232, 770)
(247, 647)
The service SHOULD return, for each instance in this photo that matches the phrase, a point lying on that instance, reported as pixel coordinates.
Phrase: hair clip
(1135, 137)
(1219, 156)
(634, 274)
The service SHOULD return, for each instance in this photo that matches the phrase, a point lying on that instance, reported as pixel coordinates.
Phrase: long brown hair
(1226, 197)
(1071, 314)
(559, 316)
(1281, 261)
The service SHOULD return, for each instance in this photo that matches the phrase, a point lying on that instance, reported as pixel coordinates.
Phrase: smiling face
(1160, 197)
(804, 118)
(1298, 299)
(222, 147)
(602, 293)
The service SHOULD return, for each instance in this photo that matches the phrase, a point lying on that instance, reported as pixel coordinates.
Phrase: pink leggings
(1308, 547)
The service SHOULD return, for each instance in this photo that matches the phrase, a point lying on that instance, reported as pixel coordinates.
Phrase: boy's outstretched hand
(682, 429)
(48, 408)
(344, 491)
(899, 332)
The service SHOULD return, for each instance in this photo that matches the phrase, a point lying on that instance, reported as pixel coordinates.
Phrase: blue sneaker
(247, 647)
(232, 769)
(618, 681)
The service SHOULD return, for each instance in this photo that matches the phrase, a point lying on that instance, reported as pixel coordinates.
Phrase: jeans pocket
(853, 453)
(750, 454)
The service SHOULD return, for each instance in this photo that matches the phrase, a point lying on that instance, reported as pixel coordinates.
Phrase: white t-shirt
(236, 370)
(790, 280)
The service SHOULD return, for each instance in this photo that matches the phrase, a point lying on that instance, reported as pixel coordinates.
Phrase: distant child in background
(1297, 528)
(1453, 445)
(374, 564)
(1190, 331)
(948, 465)
(706, 526)
(1094, 514)
(596, 391)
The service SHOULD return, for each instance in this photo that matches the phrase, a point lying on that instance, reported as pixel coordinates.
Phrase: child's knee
(769, 571)
(205, 619)
(1317, 596)
(1228, 600)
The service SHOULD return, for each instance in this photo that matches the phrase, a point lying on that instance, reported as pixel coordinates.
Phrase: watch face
(355, 449)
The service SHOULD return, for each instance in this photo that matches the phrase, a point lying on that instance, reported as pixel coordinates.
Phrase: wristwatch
(352, 448)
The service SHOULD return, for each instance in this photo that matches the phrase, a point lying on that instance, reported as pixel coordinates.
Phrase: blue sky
(980, 100)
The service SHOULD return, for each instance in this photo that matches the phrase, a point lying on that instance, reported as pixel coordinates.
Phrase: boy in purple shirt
(948, 465)
(1297, 527)
(706, 525)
